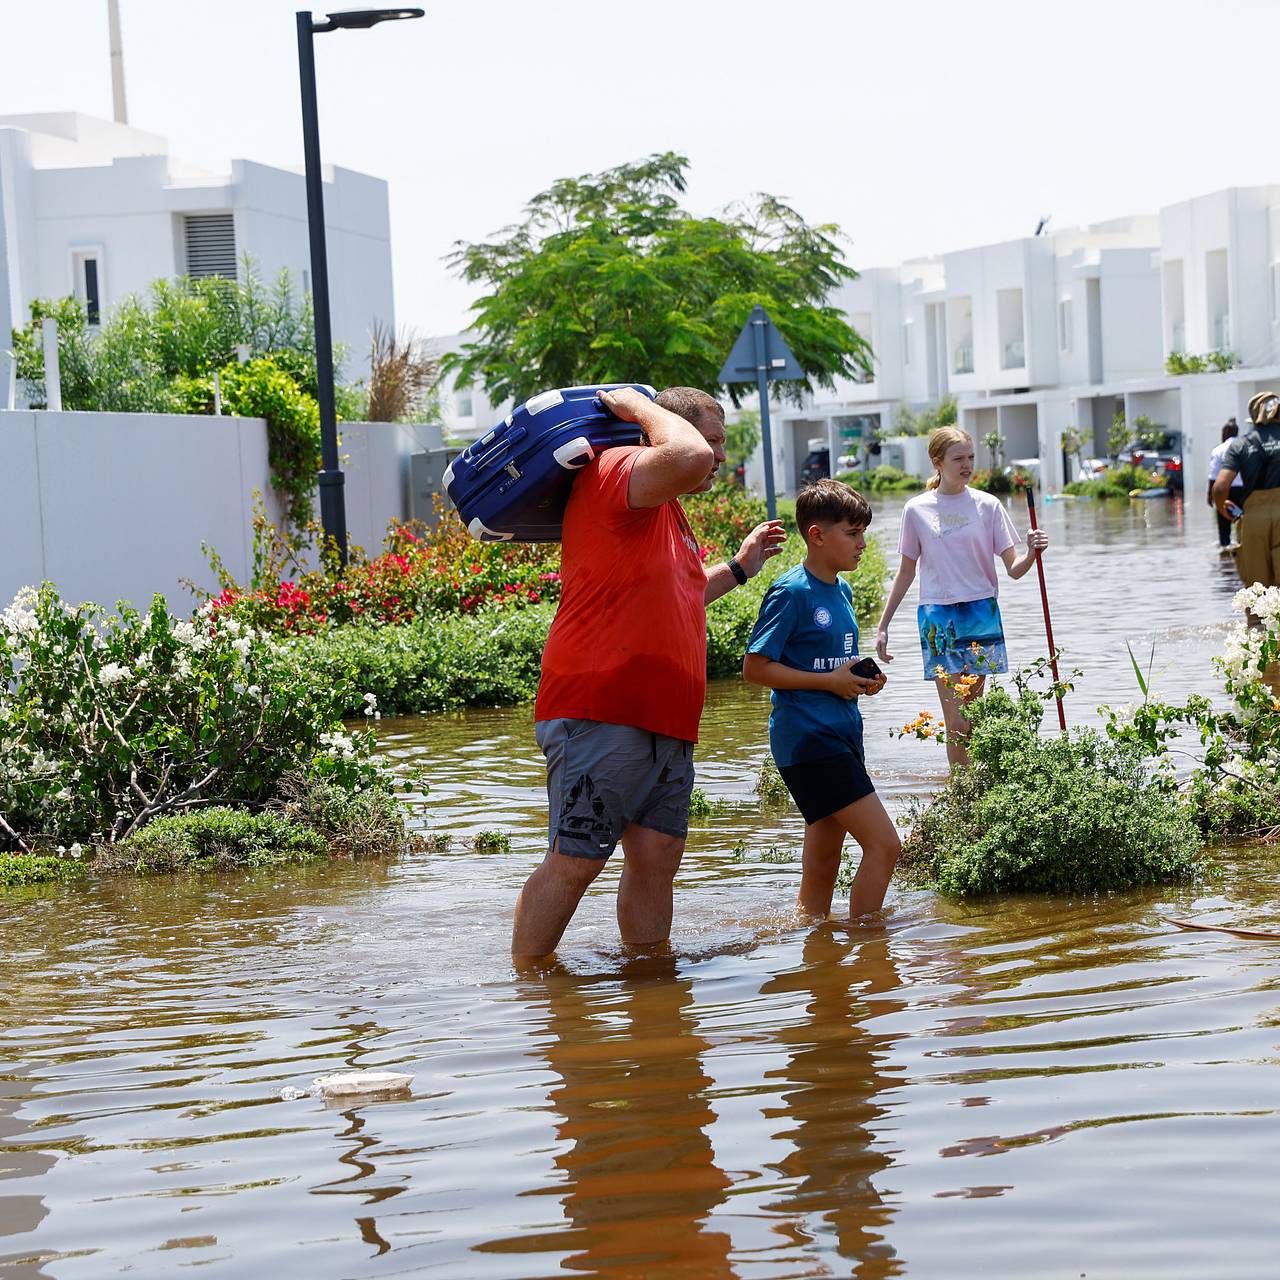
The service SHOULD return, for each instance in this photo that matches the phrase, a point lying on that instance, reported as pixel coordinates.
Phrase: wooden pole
(1044, 604)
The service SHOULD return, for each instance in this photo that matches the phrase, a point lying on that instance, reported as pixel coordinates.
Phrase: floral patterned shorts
(960, 639)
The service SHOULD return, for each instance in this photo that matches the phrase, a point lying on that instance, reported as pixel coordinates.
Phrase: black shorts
(823, 787)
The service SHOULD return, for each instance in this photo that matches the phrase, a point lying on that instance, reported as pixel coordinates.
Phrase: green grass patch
(218, 837)
(1114, 482)
(17, 869)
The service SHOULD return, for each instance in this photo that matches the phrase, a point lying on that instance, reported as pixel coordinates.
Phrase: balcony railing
(962, 360)
(1014, 356)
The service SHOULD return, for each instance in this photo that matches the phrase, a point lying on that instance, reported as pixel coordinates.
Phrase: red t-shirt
(629, 640)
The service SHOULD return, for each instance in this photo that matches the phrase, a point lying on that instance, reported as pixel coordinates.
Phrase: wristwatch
(739, 573)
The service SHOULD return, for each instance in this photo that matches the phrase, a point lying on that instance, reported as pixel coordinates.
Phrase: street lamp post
(333, 507)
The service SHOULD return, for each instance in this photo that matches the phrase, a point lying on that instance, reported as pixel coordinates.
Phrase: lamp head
(360, 19)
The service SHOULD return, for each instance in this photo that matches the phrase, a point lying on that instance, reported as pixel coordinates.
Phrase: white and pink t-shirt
(955, 538)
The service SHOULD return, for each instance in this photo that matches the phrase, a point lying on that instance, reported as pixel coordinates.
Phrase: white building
(100, 210)
(1065, 330)
(466, 413)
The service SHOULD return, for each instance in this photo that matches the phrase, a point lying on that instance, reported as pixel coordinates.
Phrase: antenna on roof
(1044, 222)
(119, 111)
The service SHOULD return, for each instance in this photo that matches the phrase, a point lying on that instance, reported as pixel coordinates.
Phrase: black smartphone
(867, 669)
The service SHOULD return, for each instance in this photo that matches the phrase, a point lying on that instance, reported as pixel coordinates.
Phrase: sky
(916, 127)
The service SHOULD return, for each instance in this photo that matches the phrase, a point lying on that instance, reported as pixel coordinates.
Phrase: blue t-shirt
(809, 625)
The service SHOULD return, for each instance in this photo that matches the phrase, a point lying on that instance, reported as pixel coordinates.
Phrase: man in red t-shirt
(624, 670)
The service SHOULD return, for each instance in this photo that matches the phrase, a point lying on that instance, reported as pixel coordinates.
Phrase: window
(1064, 325)
(1217, 299)
(463, 404)
(1275, 292)
(1175, 317)
(86, 268)
(906, 343)
(1013, 353)
(960, 331)
(211, 245)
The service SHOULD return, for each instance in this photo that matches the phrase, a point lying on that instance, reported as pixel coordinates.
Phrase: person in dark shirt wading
(1252, 463)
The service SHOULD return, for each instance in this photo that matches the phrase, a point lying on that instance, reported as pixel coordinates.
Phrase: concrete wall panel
(22, 559)
(116, 506)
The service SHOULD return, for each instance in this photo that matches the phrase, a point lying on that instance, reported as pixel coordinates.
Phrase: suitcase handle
(574, 454)
(482, 533)
(492, 455)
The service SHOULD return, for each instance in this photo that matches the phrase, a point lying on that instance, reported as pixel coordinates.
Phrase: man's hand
(626, 403)
(1037, 540)
(763, 541)
(844, 684)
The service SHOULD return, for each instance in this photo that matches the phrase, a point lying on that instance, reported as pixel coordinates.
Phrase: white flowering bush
(109, 721)
(1237, 782)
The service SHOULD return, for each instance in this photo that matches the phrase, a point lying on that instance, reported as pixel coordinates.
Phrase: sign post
(760, 354)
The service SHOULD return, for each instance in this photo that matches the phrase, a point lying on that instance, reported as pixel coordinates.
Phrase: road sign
(761, 355)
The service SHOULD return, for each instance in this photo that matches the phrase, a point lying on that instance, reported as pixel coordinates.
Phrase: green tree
(995, 447)
(608, 279)
(1073, 444)
(742, 435)
(1119, 437)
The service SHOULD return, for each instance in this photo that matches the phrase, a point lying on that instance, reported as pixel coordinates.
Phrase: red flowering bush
(722, 518)
(422, 571)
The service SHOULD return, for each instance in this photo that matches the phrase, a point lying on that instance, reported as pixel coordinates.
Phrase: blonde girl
(953, 535)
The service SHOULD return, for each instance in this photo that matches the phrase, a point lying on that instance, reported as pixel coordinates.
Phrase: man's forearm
(720, 581)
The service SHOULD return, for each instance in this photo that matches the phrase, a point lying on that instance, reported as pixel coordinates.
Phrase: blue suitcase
(512, 484)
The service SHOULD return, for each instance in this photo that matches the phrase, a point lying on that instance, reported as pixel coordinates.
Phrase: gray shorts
(603, 777)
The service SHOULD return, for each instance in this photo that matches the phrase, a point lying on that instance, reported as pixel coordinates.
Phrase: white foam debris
(290, 1094)
(352, 1083)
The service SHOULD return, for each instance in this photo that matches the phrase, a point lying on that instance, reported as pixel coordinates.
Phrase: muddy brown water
(1029, 1087)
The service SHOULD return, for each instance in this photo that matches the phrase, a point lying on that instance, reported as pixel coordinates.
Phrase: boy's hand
(882, 645)
(844, 684)
(876, 685)
(1037, 540)
(763, 541)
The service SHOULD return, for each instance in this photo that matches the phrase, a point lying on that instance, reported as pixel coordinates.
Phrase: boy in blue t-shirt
(803, 645)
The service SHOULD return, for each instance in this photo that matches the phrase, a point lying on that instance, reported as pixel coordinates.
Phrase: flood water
(1016, 1089)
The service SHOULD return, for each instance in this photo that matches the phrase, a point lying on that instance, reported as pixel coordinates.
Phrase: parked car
(817, 466)
(1164, 459)
(1091, 468)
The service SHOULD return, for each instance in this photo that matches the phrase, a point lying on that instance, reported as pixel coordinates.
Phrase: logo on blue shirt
(822, 616)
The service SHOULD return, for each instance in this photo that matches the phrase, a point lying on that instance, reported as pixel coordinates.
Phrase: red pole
(1044, 602)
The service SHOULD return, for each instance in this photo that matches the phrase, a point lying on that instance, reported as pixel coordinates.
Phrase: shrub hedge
(493, 657)
(1055, 814)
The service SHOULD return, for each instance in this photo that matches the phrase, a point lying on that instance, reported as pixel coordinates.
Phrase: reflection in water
(834, 1078)
(955, 1099)
(19, 1214)
(632, 1115)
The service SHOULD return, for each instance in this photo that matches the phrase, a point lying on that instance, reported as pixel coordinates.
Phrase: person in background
(1247, 490)
(956, 534)
(1229, 433)
(1254, 459)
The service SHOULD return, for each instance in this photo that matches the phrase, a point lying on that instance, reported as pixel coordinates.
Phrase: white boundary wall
(112, 506)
